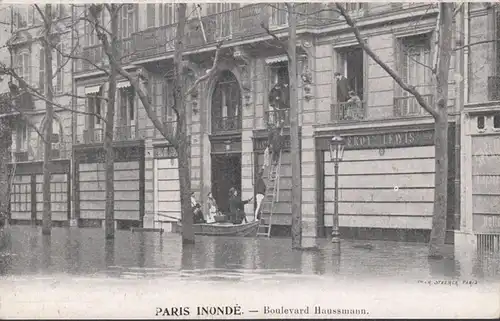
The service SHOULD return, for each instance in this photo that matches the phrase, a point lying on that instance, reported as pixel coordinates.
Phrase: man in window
(342, 88)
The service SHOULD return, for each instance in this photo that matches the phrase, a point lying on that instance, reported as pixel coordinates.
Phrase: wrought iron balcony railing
(242, 23)
(226, 124)
(120, 133)
(348, 111)
(95, 55)
(274, 117)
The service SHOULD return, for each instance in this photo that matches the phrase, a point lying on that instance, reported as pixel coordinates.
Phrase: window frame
(59, 75)
(23, 65)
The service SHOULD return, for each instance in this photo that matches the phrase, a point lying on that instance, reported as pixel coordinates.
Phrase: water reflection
(47, 252)
(142, 254)
(109, 252)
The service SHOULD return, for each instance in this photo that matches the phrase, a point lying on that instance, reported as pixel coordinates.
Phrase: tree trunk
(108, 137)
(438, 232)
(5, 143)
(184, 141)
(49, 116)
(294, 129)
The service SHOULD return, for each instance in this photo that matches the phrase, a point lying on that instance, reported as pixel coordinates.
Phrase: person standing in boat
(237, 207)
(213, 210)
(260, 192)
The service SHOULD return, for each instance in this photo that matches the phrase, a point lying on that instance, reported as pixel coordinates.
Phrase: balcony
(97, 57)
(272, 117)
(62, 152)
(348, 111)
(493, 88)
(120, 133)
(237, 24)
(226, 124)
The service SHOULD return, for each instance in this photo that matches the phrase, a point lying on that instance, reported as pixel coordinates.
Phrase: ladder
(271, 197)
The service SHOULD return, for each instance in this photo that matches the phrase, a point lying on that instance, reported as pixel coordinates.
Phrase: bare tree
(179, 138)
(13, 109)
(439, 111)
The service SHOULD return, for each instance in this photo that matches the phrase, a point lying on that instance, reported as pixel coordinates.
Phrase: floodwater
(76, 273)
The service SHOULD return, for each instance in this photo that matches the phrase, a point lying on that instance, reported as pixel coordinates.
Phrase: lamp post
(337, 145)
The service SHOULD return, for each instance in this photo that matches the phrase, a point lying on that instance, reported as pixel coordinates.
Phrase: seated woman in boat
(197, 213)
(237, 207)
(213, 210)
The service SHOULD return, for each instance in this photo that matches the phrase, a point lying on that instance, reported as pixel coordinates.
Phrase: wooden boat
(227, 229)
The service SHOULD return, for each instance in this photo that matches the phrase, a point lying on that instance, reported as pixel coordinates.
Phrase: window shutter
(41, 73)
(30, 15)
(150, 15)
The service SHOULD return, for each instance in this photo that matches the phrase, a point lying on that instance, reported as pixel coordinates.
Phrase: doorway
(226, 173)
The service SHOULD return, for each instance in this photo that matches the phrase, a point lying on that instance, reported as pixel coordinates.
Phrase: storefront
(386, 183)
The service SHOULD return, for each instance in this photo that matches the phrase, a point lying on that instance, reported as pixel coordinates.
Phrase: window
(496, 122)
(353, 6)
(23, 16)
(59, 72)
(168, 14)
(41, 72)
(128, 20)
(22, 137)
(23, 66)
(58, 11)
(415, 56)
(480, 122)
(150, 15)
(351, 66)
(127, 111)
(279, 73)
(94, 107)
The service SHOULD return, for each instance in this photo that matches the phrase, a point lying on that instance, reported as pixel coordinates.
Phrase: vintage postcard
(232, 160)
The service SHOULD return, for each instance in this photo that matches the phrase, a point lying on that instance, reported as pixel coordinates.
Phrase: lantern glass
(337, 145)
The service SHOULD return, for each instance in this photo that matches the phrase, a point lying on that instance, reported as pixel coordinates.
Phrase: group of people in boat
(236, 213)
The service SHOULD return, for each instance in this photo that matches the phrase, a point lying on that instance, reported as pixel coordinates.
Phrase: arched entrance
(226, 138)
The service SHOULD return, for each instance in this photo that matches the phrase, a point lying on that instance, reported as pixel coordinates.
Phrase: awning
(92, 89)
(273, 60)
(123, 84)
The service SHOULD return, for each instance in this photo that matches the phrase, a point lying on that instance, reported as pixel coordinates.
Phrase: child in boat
(212, 209)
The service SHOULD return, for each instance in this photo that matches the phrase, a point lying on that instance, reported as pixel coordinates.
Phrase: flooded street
(75, 273)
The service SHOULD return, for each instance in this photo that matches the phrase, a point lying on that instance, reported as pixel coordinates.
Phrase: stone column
(465, 240)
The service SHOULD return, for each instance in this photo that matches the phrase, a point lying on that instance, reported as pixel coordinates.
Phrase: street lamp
(337, 145)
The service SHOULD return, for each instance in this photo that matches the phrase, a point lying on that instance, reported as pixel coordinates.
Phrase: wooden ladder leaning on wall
(270, 199)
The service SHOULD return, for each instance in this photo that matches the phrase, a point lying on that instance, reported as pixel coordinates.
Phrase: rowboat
(227, 229)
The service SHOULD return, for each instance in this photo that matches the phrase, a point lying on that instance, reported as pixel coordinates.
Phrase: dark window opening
(496, 121)
(351, 67)
(480, 122)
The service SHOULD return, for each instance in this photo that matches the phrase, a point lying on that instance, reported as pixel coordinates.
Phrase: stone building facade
(387, 175)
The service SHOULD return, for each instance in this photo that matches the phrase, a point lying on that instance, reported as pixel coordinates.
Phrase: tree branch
(476, 43)
(134, 83)
(280, 42)
(208, 73)
(389, 70)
